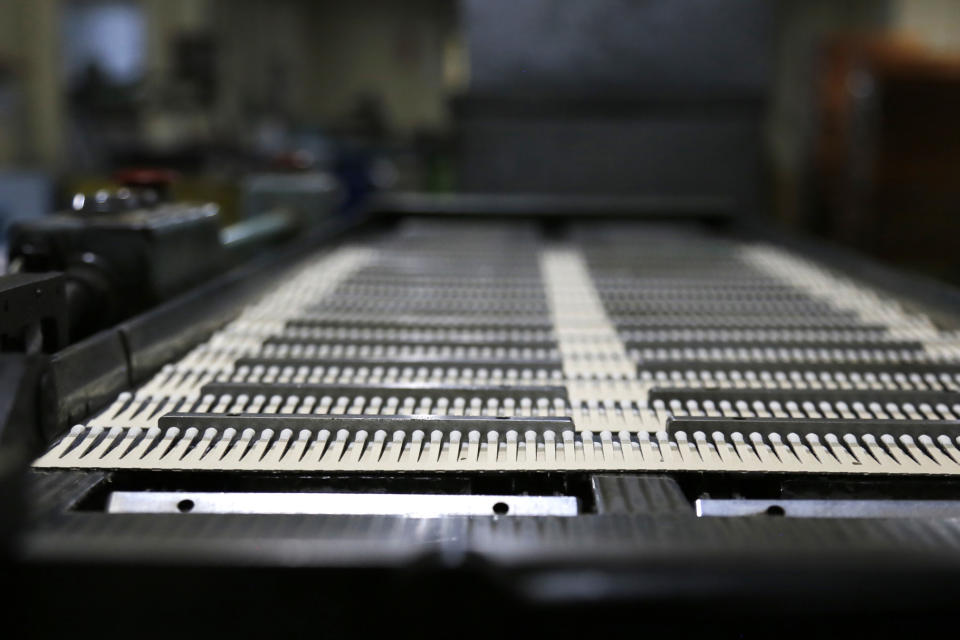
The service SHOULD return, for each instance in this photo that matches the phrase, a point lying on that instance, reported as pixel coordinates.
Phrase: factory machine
(464, 412)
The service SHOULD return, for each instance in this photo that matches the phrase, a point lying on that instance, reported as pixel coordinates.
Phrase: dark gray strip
(354, 423)
(784, 426)
(408, 361)
(804, 395)
(425, 390)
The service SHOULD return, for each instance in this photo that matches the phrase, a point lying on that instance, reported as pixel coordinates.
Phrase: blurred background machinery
(835, 118)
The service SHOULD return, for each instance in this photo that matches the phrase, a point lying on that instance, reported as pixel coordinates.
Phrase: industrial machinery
(583, 414)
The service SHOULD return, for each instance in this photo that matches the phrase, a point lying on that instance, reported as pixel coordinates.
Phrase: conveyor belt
(475, 346)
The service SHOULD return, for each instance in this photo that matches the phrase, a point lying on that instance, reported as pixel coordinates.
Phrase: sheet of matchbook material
(472, 346)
